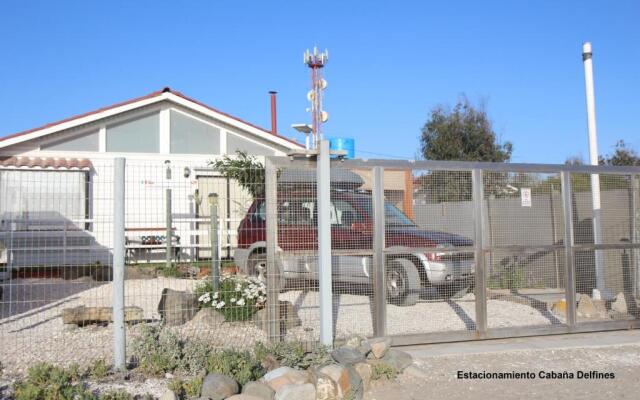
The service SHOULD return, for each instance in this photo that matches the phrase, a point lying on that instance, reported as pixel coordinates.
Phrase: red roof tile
(45, 163)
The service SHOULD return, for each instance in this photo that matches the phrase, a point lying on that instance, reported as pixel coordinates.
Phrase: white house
(56, 181)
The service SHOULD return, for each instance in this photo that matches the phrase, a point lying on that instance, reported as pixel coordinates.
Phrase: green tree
(246, 169)
(464, 133)
(622, 156)
(461, 133)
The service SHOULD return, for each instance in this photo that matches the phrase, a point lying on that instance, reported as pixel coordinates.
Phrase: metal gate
(486, 250)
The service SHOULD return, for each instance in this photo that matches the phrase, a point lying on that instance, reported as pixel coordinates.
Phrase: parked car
(417, 257)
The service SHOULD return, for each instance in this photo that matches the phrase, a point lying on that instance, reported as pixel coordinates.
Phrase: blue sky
(391, 62)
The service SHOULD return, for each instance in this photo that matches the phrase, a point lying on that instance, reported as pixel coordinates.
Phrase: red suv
(410, 266)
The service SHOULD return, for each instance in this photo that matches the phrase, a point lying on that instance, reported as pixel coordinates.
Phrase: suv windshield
(392, 215)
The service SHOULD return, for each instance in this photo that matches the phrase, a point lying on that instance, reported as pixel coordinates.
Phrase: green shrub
(189, 389)
(383, 370)
(194, 357)
(291, 354)
(157, 350)
(237, 299)
(98, 370)
(193, 387)
(119, 394)
(240, 365)
(47, 382)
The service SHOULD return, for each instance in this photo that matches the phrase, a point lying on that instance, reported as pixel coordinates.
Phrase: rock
(218, 387)
(258, 390)
(243, 397)
(365, 348)
(380, 346)
(364, 370)
(397, 359)
(296, 391)
(620, 304)
(326, 388)
(354, 341)
(82, 315)
(168, 395)
(586, 308)
(356, 385)
(207, 317)
(346, 379)
(176, 308)
(288, 317)
(347, 355)
(559, 307)
(285, 376)
(601, 308)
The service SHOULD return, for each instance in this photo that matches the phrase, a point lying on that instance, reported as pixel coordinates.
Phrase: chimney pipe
(274, 119)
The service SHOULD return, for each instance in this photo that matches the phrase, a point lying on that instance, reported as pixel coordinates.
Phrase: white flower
(233, 299)
(241, 302)
(220, 305)
(215, 295)
(204, 298)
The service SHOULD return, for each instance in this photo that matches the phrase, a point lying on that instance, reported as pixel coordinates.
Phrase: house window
(84, 142)
(235, 142)
(141, 135)
(190, 136)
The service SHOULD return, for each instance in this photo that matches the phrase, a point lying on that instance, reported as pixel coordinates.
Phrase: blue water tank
(347, 144)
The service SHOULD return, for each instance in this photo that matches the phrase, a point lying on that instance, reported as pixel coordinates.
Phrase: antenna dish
(311, 95)
(323, 83)
(324, 116)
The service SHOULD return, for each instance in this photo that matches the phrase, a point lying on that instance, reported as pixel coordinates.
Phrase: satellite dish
(325, 116)
(311, 95)
(323, 84)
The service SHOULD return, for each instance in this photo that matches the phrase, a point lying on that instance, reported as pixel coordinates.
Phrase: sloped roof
(163, 94)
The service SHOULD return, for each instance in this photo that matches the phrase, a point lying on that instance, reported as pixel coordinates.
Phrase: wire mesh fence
(228, 253)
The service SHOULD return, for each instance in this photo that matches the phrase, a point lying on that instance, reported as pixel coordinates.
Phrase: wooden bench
(142, 241)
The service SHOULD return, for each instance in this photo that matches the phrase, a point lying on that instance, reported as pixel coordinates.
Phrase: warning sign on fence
(525, 197)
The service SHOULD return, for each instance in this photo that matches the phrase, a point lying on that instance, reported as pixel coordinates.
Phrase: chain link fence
(421, 251)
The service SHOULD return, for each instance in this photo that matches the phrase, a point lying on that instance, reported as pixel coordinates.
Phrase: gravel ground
(31, 328)
(436, 377)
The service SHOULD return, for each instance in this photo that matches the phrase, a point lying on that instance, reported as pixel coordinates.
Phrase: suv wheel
(402, 282)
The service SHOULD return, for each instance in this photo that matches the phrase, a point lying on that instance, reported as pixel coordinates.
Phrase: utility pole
(587, 55)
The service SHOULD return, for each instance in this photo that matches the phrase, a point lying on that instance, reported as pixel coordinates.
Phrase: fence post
(213, 234)
(273, 273)
(169, 228)
(323, 178)
(480, 273)
(570, 283)
(635, 191)
(379, 288)
(119, 355)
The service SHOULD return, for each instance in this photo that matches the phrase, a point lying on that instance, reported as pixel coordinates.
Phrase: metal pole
(169, 233)
(570, 283)
(480, 272)
(213, 235)
(273, 272)
(379, 289)
(323, 178)
(635, 191)
(593, 157)
(554, 235)
(119, 355)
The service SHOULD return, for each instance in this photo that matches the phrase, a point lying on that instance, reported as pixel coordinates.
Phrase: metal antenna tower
(316, 61)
